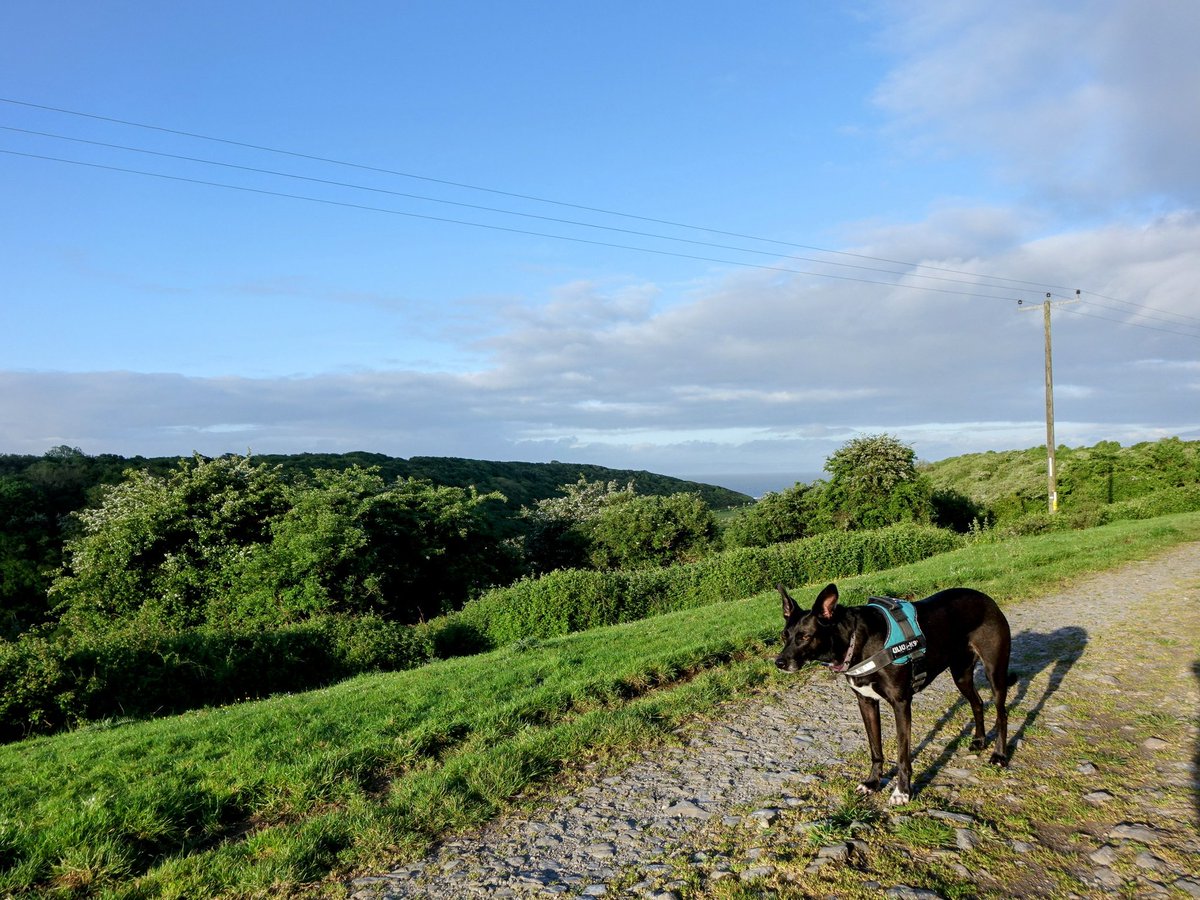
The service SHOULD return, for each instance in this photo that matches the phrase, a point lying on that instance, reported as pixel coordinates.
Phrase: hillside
(73, 475)
(1013, 482)
(521, 482)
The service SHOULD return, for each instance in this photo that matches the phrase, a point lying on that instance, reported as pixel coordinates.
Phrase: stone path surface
(745, 766)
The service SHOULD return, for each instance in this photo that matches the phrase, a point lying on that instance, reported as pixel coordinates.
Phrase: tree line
(47, 501)
(88, 542)
(199, 581)
(237, 542)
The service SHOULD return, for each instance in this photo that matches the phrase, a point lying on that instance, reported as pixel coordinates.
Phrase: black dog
(959, 626)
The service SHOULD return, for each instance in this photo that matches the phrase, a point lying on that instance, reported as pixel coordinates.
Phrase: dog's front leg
(902, 792)
(870, 715)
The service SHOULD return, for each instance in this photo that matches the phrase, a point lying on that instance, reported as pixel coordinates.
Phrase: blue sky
(588, 232)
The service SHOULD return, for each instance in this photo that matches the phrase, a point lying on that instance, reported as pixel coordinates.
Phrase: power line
(1140, 306)
(1136, 309)
(492, 227)
(474, 206)
(579, 240)
(1079, 312)
(1147, 315)
(1139, 310)
(517, 195)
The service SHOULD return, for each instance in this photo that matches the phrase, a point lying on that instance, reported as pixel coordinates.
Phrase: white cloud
(1089, 102)
(759, 371)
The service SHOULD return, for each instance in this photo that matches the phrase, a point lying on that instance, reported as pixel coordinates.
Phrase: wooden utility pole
(1051, 473)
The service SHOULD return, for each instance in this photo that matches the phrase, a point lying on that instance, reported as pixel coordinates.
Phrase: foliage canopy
(229, 542)
(777, 517)
(874, 482)
(638, 531)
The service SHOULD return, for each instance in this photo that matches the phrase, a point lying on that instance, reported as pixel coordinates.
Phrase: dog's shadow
(1032, 654)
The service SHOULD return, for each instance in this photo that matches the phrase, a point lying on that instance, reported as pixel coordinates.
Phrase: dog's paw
(999, 759)
(867, 787)
(976, 745)
(899, 797)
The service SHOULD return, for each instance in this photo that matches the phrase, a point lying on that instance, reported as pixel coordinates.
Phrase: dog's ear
(826, 603)
(789, 605)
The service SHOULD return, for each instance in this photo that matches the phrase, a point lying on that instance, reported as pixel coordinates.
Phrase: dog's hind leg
(962, 670)
(995, 667)
(997, 676)
(869, 709)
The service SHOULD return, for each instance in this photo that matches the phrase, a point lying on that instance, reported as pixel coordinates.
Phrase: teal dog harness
(905, 642)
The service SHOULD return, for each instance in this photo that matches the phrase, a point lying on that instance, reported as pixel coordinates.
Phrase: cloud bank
(759, 373)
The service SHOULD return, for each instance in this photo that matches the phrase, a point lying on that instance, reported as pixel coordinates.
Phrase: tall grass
(296, 790)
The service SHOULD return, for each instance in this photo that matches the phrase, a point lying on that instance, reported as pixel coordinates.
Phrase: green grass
(300, 790)
(920, 831)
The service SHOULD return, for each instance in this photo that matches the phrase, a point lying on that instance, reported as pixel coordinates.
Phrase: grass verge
(289, 794)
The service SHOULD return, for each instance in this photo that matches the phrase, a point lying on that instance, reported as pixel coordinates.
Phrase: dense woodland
(134, 587)
(42, 497)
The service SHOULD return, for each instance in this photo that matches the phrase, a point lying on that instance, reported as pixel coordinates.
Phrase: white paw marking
(863, 789)
(898, 798)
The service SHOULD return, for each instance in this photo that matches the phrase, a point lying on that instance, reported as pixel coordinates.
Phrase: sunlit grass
(299, 789)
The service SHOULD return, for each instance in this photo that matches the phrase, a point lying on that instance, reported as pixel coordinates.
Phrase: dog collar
(850, 650)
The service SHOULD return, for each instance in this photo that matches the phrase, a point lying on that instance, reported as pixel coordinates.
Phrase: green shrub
(559, 602)
(651, 530)
(786, 515)
(156, 548)
(37, 694)
(955, 510)
(227, 542)
(453, 635)
(50, 685)
(1163, 502)
(371, 643)
(873, 483)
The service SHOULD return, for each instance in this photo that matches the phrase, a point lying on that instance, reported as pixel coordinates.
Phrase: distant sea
(757, 483)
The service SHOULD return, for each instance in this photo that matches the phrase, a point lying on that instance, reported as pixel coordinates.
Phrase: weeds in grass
(922, 831)
(1158, 720)
(855, 808)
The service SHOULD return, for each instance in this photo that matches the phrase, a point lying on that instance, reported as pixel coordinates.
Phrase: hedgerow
(50, 684)
(574, 599)
(55, 682)
(1163, 502)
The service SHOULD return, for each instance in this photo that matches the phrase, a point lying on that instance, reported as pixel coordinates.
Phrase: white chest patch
(866, 690)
